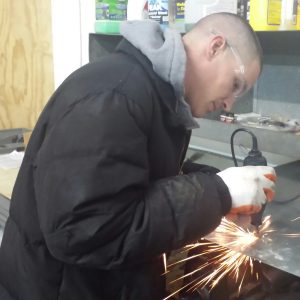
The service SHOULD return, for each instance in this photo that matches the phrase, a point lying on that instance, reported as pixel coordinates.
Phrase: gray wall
(277, 92)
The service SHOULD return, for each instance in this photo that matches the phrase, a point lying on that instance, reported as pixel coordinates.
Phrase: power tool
(254, 158)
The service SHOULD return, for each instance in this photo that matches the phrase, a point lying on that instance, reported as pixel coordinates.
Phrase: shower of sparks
(165, 262)
(295, 235)
(221, 256)
(221, 260)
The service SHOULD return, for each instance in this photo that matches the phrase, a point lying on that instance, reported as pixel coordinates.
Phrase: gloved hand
(250, 187)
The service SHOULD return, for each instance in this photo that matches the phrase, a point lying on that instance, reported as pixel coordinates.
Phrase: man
(100, 194)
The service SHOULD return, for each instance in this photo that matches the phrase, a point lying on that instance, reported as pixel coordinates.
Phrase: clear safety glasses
(239, 85)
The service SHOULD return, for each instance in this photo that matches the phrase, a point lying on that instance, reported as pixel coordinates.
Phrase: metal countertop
(278, 248)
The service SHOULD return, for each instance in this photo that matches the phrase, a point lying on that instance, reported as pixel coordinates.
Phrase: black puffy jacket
(98, 197)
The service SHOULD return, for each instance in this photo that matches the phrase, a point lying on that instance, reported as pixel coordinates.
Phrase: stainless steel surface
(4, 209)
(276, 248)
(280, 248)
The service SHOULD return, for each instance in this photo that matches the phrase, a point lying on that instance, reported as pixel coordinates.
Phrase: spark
(222, 256)
(291, 234)
(231, 235)
(165, 262)
(224, 261)
(220, 260)
(295, 219)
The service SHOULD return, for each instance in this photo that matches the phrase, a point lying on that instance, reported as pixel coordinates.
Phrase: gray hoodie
(165, 50)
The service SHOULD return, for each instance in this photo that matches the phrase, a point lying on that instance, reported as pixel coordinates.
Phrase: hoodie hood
(166, 52)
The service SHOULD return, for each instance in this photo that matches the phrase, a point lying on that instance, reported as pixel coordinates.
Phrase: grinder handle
(255, 158)
(256, 219)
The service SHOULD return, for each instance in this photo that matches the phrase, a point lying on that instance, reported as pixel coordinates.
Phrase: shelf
(280, 42)
(285, 144)
(273, 43)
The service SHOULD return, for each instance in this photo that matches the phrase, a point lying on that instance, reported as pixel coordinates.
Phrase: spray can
(109, 15)
(136, 10)
(158, 10)
(197, 9)
(243, 9)
(176, 15)
(289, 15)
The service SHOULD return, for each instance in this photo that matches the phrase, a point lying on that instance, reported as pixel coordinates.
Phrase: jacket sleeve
(192, 167)
(95, 203)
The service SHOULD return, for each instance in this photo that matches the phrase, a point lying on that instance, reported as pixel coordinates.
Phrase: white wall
(72, 21)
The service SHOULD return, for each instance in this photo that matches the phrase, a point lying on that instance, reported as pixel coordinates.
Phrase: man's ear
(216, 45)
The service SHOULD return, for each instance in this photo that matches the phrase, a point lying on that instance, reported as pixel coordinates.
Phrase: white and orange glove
(250, 187)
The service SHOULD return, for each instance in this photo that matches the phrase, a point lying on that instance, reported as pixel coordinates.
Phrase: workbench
(276, 249)
(10, 141)
(7, 181)
(281, 252)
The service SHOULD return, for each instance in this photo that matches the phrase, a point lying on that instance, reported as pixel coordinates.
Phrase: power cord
(254, 158)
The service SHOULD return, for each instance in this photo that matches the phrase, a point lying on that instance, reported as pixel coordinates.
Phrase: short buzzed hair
(237, 30)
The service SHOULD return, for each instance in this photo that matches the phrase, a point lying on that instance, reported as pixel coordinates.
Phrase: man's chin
(202, 111)
(199, 114)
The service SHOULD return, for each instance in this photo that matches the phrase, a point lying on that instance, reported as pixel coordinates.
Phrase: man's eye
(237, 85)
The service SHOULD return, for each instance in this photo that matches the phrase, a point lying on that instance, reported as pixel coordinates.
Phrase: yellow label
(274, 12)
(298, 16)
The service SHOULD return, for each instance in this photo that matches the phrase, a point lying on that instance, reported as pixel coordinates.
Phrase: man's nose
(228, 103)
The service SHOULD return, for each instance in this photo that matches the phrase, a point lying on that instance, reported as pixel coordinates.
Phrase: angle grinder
(254, 158)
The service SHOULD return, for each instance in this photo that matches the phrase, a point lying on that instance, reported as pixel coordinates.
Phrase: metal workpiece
(279, 245)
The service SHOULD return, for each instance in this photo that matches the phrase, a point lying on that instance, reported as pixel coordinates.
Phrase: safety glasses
(239, 85)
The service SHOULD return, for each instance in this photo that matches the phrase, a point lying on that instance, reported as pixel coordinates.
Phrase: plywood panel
(26, 64)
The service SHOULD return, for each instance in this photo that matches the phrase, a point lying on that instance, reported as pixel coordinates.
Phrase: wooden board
(26, 64)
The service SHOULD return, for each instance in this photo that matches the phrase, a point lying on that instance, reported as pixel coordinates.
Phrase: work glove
(250, 187)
